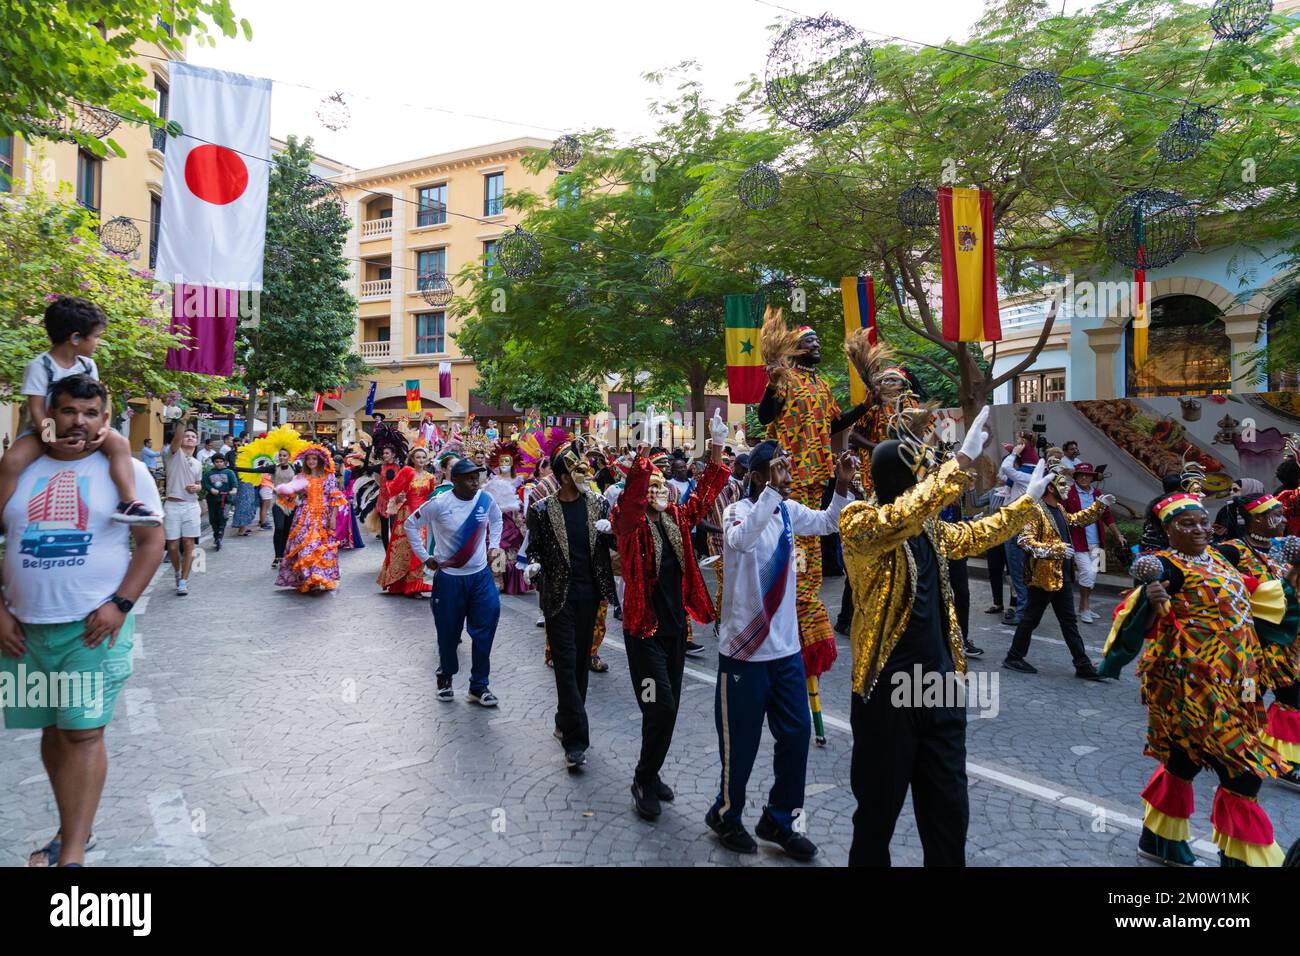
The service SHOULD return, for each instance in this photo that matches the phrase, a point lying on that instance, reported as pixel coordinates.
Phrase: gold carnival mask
(914, 451)
(658, 495)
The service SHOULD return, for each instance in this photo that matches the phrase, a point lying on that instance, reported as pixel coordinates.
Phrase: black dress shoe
(796, 846)
(971, 650)
(663, 791)
(1019, 665)
(993, 609)
(1087, 673)
(647, 802)
(733, 836)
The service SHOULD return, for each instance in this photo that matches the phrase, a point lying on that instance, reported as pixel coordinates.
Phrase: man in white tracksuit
(760, 666)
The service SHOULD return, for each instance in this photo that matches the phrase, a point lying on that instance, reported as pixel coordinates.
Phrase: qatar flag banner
(213, 226)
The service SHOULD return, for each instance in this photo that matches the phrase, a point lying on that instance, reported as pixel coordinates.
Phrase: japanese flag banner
(215, 179)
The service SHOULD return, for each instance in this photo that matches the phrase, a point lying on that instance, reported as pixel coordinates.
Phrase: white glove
(603, 526)
(1069, 553)
(1107, 500)
(718, 428)
(972, 446)
(1038, 481)
(531, 572)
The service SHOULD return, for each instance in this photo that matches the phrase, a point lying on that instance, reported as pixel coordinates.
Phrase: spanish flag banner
(858, 293)
(413, 395)
(970, 279)
(746, 374)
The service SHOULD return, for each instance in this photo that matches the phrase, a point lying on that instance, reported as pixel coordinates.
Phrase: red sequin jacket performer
(636, 546)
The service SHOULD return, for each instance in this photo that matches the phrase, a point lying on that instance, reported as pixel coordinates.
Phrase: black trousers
(283, 522)
(1062, 603)
(383, 529)
(959, 579)
(570, 633)
(844, 623)
(656, 664)
(997, 560)
(217, 516)
(899, 747)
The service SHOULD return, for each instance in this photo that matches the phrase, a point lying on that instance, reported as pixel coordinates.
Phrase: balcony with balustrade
(377, 218)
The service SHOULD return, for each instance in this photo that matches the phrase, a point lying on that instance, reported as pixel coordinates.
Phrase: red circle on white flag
(216, 174)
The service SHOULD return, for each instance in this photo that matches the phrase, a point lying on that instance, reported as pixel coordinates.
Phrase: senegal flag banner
(746, 374)
(970, 280)
(858, 294)
(413, 396)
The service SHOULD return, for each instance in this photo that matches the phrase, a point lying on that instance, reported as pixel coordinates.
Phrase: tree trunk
(250, 409)
(698, 382)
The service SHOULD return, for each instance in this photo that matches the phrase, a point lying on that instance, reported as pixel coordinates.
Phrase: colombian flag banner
(859, 297)
(970, 279)
(746, 374)
(413, 395)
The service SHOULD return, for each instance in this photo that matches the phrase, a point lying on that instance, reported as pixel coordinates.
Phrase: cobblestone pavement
(263, 727)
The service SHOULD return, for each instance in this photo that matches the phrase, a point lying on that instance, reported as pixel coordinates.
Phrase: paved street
(264, 727)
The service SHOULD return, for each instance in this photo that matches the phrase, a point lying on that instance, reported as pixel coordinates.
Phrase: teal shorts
(60, 682)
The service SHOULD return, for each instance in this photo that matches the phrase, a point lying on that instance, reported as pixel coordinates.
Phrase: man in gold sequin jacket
(1049, 570)
(905, 634)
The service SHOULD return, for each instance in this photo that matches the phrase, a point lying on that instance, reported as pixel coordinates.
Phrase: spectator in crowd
(73, 625)
(1087, 541)
(149, 456)
(1070, 457)
(181, 517)
(206, 453)
(1015, 472)
(1230, 522)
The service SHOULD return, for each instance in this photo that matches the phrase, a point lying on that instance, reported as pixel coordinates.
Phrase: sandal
(993, 609)
(48, 855)
(597, 665)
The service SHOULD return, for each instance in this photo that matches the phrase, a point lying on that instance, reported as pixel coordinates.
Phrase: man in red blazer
(1088, 541)
(662, 585)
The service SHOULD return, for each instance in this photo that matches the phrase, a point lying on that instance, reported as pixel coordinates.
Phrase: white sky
(566, 66)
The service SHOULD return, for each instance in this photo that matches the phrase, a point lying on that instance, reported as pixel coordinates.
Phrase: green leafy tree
(935, 112)
(549, 394)
(48, 247)
(57, 53)
(301, 340)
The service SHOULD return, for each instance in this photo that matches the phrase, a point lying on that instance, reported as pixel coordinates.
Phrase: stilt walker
(802, 415)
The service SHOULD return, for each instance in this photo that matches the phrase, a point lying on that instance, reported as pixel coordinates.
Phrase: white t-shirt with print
(65, 556)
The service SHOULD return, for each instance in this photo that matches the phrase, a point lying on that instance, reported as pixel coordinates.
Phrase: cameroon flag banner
(413, 395)
(858, 294)
(970, 279)
(746, 374)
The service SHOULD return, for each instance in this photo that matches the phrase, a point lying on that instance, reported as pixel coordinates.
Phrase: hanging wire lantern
(774, 292)
(436, 289)
(54, 128)
(697, 322)
(1239, 19)
(759, 186)
(519, 253)
(120, 236)
(918, 207)
(318, 202)
(278, 258)
(565, 153)
(1150, 228)
(1187, 134)
(1033, 101)
(578, 298)
(334, 113)
(659, 273)
(93, 121)
(819, 73)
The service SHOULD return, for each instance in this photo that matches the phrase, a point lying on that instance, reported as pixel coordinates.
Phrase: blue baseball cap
(465, 466)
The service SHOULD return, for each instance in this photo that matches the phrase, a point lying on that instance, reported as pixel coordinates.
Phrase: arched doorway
(1188, 350)
(1284, 320)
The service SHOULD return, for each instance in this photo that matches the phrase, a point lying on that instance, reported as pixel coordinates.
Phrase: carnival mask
(503, 467)
(658, 496)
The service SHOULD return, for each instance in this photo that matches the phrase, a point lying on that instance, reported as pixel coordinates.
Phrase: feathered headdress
(319, 451)
(387, 436)
(476, 443)
(538, 446)
(503, 449)
(780, 344)
(261, 451)
(873, 363)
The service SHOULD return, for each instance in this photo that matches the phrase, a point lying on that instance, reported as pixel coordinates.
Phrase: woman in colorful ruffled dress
(311, 558)
(402, 572)
(348, 531)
